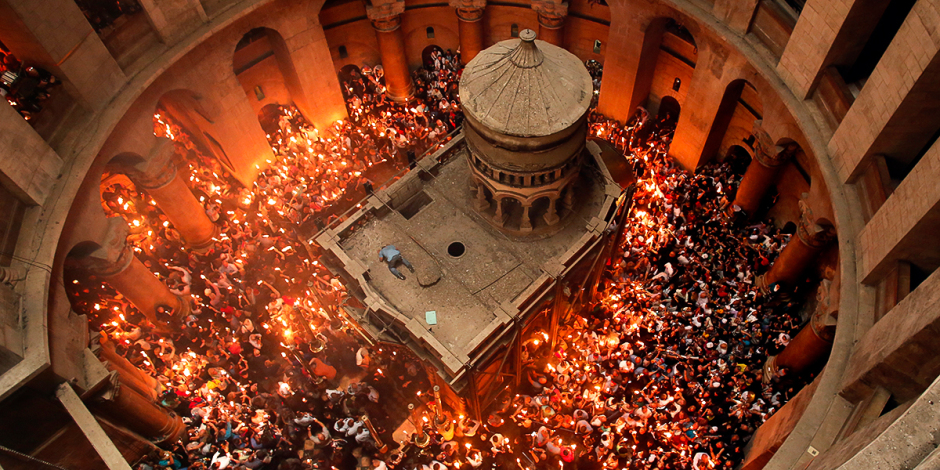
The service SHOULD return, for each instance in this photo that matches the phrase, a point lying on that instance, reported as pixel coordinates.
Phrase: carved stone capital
(158, 170)
(385, 15)
(551, 13)
(470, 15)
(468, 4)
(110, 257)
(812, 232)
(768, 154)
(824, 325)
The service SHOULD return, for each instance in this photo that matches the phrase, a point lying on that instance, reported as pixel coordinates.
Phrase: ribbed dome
(526, 87)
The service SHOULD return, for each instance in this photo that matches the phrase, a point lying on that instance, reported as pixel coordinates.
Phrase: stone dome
(526, 87)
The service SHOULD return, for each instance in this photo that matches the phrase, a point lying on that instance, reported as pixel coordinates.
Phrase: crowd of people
(102, 14)
(25, 87)
(664, 372)
(312, 174)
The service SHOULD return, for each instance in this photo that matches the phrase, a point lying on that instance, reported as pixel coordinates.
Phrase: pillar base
(401, 98)
(764, 287)
(203, 247)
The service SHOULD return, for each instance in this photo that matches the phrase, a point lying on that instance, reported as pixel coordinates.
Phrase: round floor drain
(456, 249)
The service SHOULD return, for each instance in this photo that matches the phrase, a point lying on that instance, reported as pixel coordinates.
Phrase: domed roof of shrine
(526, 87)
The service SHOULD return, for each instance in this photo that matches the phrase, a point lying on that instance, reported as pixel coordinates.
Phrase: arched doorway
(270, 116)
(669, 109)
(668, 58)
(349, 72)
(262, 63)
(739, 158)
(734, 122)
(182, 117)
(426, 58)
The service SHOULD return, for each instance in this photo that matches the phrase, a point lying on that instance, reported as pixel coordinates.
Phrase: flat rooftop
(422, 214)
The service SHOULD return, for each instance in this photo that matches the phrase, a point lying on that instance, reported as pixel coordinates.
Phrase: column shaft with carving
(165, 183)
(386, 20)
(762, 173)
(470, 25)
(115, 263)
(808, 348)
(130, 374)
(139, 413)
(551, 20)
(800, 253)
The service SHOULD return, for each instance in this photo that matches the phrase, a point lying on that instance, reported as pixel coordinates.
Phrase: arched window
(676, 84)
(343, 53)
(430, 31)
(514, 30)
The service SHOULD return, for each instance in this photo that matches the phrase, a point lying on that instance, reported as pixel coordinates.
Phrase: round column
(169, 190)
(551, 217)
(760, 176)
(790, 267)
(141, 414)
(386, 20)
(159, 175)
(140, 381)
(552, 29)
(137, 283)
(810, 346)
(526, 224)
(470, 26)
(551, 20)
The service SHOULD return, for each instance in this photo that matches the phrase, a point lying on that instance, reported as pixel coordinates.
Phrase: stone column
(386, 19)
(568, 201)
(470, 26)
(551, 217)
(826, 33)
(500, 217)
(29, 179)
(137, 379)
(160, 176)
(139, 413)
(707, 91)
(115, 263)
(812, 344)
(482, 203)
(762, 173)
(810, 239)
(526, 224)
(551, 20)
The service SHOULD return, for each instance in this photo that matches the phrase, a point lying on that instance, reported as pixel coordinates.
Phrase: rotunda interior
(407, 234)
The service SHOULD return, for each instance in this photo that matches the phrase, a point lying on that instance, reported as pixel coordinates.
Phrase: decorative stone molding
(551, 13)
(810, 231)
(768, 154)
(469, 10)
(113, 256)
(158, 170)
(385, 16)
